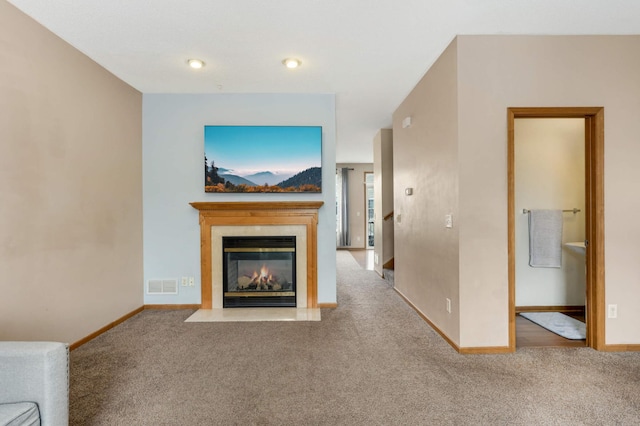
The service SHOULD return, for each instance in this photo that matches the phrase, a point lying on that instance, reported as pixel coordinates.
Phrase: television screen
(263, 159)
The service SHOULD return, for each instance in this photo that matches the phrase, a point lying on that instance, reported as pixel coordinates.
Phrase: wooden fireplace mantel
(258, 214)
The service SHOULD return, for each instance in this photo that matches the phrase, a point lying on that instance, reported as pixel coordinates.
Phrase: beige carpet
(371, 361)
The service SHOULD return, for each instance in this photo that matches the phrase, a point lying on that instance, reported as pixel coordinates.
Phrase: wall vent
(162, 286)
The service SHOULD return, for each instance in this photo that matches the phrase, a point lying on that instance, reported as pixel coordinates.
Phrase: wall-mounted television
(259, 159)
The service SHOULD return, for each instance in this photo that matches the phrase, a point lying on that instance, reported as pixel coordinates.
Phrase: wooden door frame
(594, 214)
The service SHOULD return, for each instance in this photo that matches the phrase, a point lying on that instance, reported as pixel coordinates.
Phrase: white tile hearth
(255, 314)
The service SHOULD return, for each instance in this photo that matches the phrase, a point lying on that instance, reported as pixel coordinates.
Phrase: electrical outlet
(192, 281)
(448, 221)
(184, 282)
(613, 311)
(448, 305)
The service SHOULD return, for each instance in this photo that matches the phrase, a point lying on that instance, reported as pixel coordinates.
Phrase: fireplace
(269, 218)
(259, 271)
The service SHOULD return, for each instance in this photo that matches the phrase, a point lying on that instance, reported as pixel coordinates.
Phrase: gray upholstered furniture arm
(37, 372)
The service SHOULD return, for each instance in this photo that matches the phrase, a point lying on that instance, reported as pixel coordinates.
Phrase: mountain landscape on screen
(268, 178)
(309, 180)
(259, 159)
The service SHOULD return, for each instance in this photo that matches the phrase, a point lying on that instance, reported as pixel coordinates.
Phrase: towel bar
(573, 210)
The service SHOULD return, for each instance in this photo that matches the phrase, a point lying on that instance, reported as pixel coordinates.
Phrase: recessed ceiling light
(291, 62)
(195, 63)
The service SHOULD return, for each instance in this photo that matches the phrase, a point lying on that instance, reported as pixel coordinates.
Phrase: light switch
(448, 221)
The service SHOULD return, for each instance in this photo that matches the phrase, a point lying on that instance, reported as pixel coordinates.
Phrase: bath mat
(559, 324)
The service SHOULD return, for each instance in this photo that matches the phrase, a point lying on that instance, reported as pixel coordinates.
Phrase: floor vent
(162, 287)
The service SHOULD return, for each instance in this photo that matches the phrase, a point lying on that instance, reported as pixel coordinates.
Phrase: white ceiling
(369, 53)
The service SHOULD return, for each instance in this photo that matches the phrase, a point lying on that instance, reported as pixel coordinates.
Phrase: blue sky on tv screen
(245, 150)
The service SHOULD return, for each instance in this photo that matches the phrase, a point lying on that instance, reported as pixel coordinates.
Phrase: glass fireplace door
(259, 272)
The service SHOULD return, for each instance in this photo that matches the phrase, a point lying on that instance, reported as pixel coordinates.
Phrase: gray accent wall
(173, 155)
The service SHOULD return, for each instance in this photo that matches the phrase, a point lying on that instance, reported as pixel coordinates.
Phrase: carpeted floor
(371, 361)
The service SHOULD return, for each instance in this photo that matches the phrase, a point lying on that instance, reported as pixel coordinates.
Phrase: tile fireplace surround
(218, 219)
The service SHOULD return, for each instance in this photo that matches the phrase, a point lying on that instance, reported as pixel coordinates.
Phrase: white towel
(545, 238)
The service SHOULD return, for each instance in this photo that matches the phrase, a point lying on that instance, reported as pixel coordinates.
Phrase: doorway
(369, 200)
(593, 224)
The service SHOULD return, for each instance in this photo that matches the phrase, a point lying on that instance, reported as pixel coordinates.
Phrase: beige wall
(549, 174)
(357, 202)
(425, 158)
(383, 198)
(496, 72)
(459, 110)
(70, 179)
